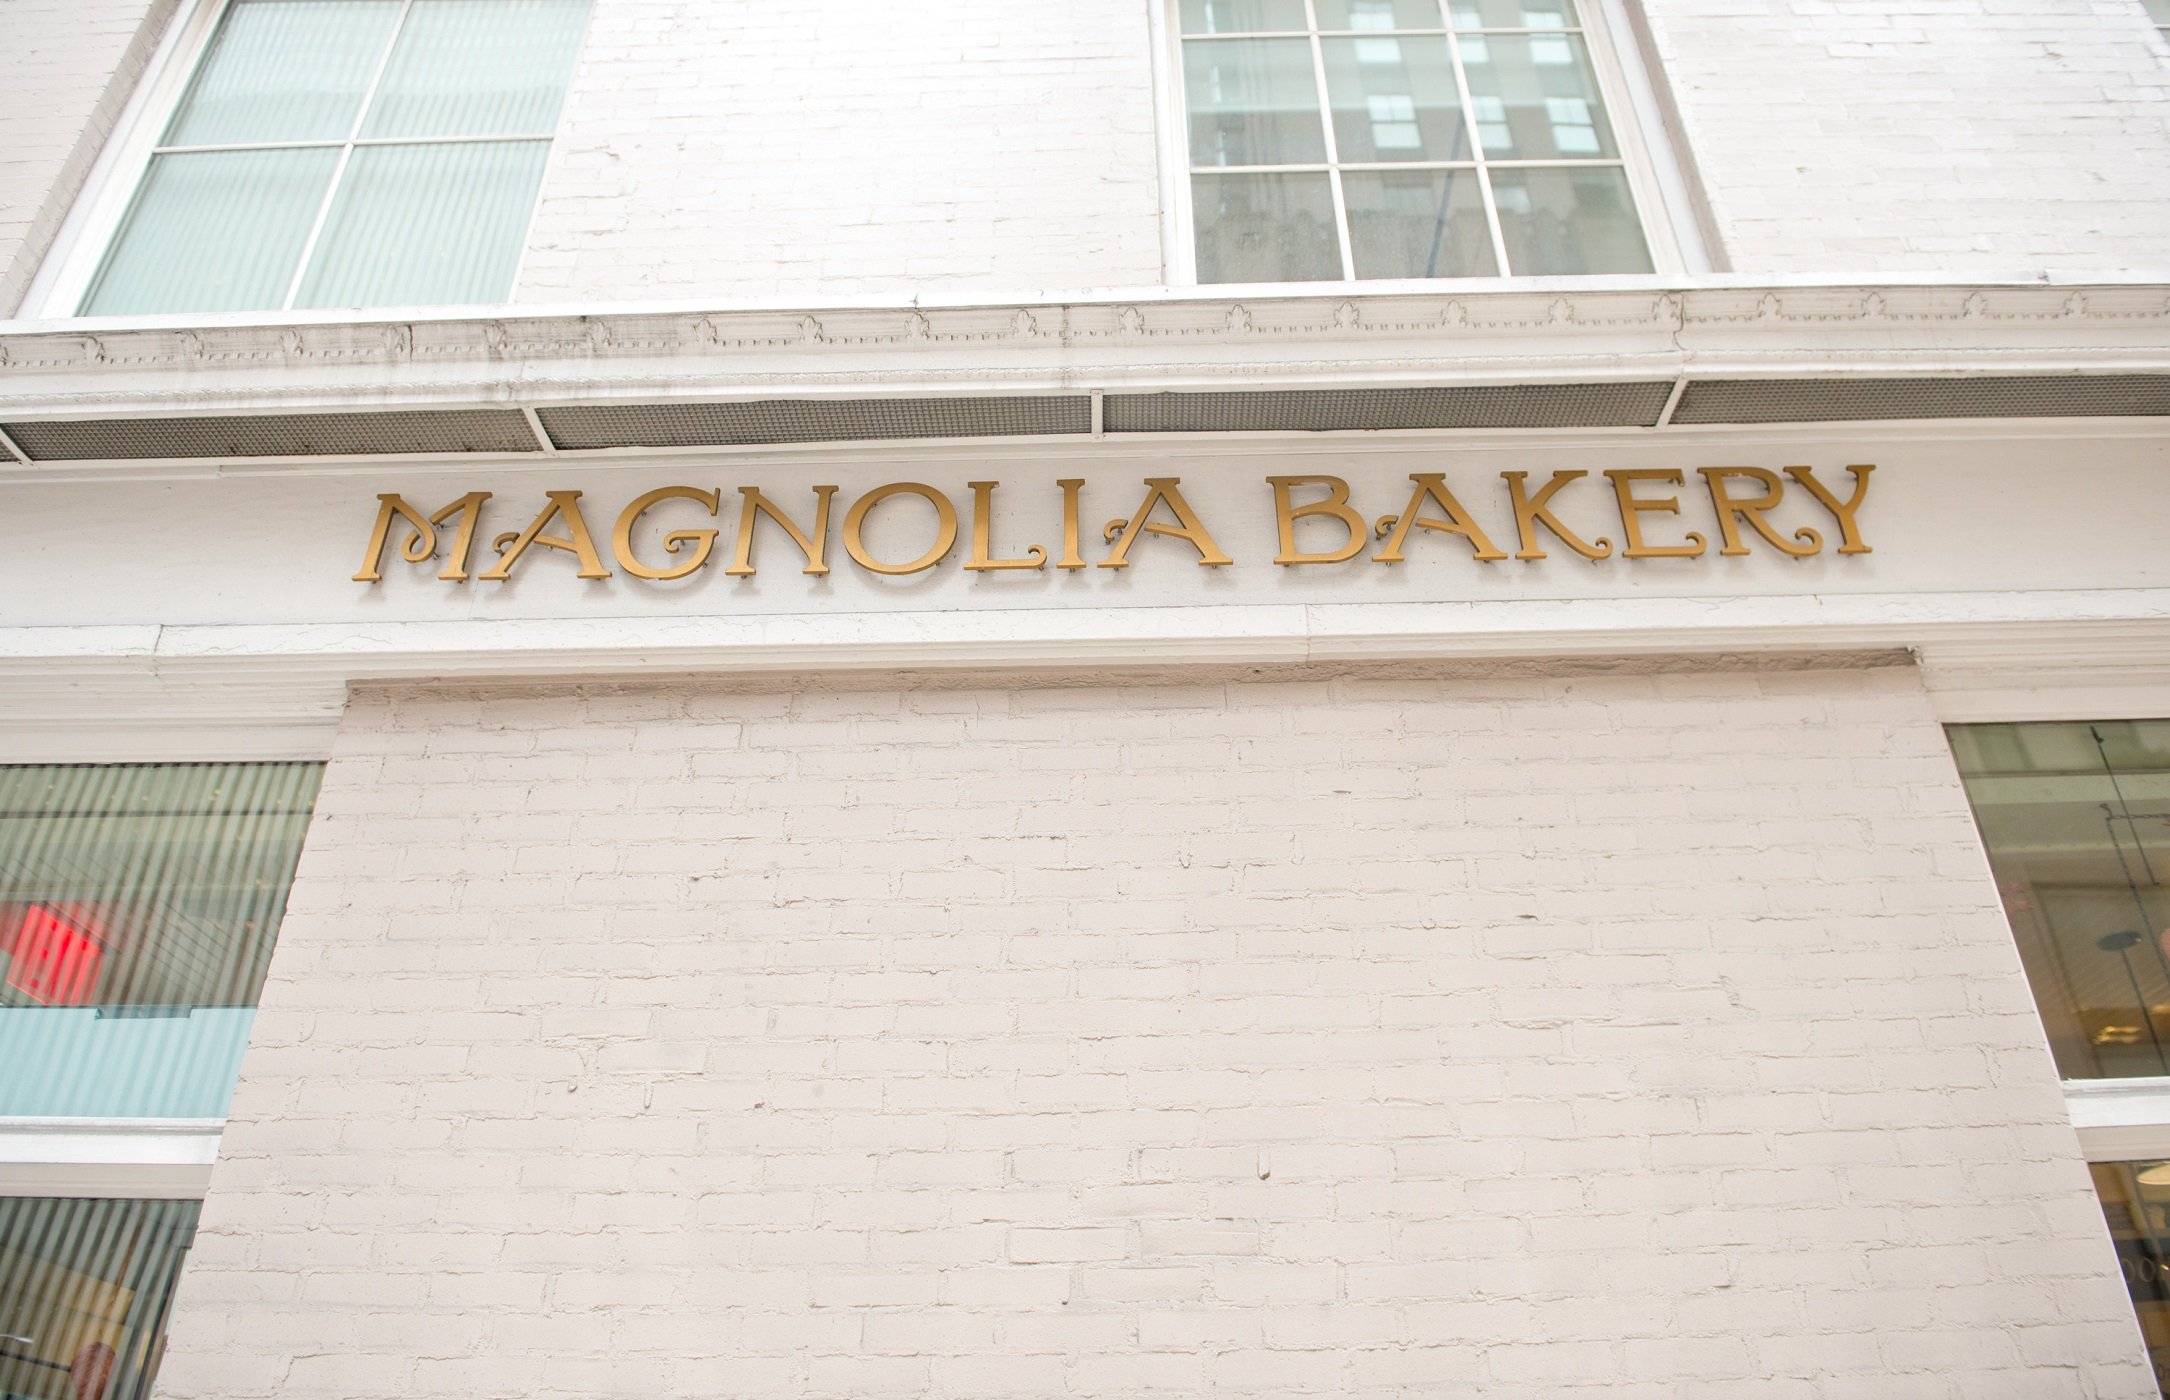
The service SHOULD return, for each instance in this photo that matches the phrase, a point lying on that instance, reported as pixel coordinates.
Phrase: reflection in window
(2136, 1205)
(1489, 109)
(85, 1286)
(138, 905)
(2076, 819)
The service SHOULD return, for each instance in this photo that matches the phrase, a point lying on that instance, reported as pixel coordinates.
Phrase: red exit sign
(55, 960)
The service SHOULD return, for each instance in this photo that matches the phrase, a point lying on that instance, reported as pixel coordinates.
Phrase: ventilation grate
(1844, 400)
(276, 435)
(811, 420)
(1341, 410)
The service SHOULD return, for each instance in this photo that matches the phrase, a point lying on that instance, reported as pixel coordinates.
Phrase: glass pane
(1265, 228)
(1513, 14)
(1535, 97)
(1418, 223)
(1394, 99)
(1380, 14)
(285, 70)
(1243, 16)
(2074, 818)
(479, 68)
(137, 911)
(1252, 102)
(1568, 221)
(426, 225)
(217, 231)
(2136, 1205)
(85, 1286)
(2159, 10)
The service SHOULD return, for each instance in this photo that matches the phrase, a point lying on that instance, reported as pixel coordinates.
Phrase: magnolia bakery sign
(674, 532)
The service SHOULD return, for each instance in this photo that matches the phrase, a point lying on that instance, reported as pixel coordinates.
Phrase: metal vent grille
(1340, 410)
(276, 435)
(1841, 400)
(811, 420)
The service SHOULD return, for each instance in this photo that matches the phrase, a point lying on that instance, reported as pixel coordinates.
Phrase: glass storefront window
(84, 1290)
(138, 905)
(2136, 1204)
(2076, 819)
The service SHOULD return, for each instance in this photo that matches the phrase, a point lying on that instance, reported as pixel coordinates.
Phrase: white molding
(276, 691)
(2125, 1144)
(1678, 181)
(1171, 145)
(1370, 334)
(132, 1158)
(2118, 1103)
(2120, 1120)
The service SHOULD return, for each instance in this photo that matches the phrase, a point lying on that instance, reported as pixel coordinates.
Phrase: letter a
(1432, 486)
(1191, 528)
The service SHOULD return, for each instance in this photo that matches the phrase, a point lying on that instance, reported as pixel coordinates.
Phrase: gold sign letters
(1648, 501)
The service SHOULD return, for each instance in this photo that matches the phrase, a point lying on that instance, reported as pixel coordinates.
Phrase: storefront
(1112, 864)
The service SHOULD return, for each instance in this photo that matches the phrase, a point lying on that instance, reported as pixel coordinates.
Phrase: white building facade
(1218, 697)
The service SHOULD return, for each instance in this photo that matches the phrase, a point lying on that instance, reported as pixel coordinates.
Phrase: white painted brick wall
(725, 149)
(1375, 1034)
(729, 148)
(1977, 137)
(66, 69)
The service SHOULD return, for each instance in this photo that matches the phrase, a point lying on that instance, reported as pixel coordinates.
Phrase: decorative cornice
(1461, 336)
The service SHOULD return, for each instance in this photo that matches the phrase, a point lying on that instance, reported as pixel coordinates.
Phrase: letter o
(945, 537)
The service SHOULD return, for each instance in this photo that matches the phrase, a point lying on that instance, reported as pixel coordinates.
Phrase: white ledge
(276, 690)
(1140, 340)
(133, 1158)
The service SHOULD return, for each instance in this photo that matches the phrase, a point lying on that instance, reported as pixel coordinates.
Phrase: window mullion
(1476, 146)
(346, 156)
(1333, 152)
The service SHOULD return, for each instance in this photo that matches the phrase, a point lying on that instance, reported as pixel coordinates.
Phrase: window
(85, 1286)
(2135, 1200)
(2076, 820)
(347, 153)
(1333, 139)
(137, 910)
(2159, 11)
(138, 906)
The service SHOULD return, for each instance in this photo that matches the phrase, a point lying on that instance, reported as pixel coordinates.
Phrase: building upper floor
(199, 158)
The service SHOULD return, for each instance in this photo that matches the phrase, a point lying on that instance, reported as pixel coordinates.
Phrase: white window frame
(1670, 223)
(87, 234)
(137, 1159)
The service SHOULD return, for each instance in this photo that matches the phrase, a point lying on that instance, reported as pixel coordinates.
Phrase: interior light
(2157, 1175)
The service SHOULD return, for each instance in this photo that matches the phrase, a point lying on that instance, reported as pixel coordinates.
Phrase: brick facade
(1382, 1032)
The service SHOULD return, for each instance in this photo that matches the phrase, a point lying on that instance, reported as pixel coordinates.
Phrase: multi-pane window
(1401, 138)
(2076, 821)
(138, 905)
(348, 153)
(138, 908)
